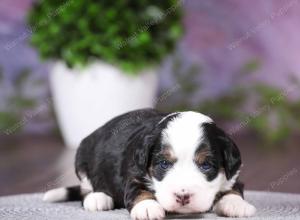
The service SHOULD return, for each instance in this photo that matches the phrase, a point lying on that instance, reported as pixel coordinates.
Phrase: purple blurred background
(223, 39)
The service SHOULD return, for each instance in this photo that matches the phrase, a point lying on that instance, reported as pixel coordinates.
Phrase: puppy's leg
(232, 204)
(98, 201)
(141, 203)
(94, 200)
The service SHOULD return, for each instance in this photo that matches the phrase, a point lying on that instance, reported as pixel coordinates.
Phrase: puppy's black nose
(183, 199)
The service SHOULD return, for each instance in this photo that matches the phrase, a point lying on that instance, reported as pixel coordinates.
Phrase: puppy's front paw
(234, 206)
(147, 210)
(97, 201)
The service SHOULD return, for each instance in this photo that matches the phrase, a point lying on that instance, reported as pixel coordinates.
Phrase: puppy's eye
(164, 164)
(205, 166)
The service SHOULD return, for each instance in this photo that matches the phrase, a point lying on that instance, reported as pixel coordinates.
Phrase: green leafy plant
(131, 34)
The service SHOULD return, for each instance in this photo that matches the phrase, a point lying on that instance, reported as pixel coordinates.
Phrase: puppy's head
(190, 162)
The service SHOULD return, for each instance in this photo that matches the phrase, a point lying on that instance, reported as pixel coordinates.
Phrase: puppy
(152, 163)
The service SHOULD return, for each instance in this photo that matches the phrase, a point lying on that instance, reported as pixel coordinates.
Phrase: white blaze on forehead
(184, 132)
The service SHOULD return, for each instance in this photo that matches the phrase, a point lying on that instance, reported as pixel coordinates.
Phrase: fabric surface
(31, 207)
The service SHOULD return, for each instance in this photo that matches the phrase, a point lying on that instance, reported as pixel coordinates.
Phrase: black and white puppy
(151, 163)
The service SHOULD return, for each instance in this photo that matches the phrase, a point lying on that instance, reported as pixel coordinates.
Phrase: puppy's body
(152, 162)
(107, 156)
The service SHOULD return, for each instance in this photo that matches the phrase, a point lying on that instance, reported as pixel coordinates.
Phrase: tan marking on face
(143, 196)
(169, 154)
(201, 155)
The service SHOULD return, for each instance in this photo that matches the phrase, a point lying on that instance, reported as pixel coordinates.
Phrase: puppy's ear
(231, 158)
(141, 144)
(143, 150)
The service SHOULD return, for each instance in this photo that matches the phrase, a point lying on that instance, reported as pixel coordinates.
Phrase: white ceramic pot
(84, 99)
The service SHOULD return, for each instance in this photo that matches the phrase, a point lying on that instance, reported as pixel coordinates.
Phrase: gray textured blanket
(31, 207)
